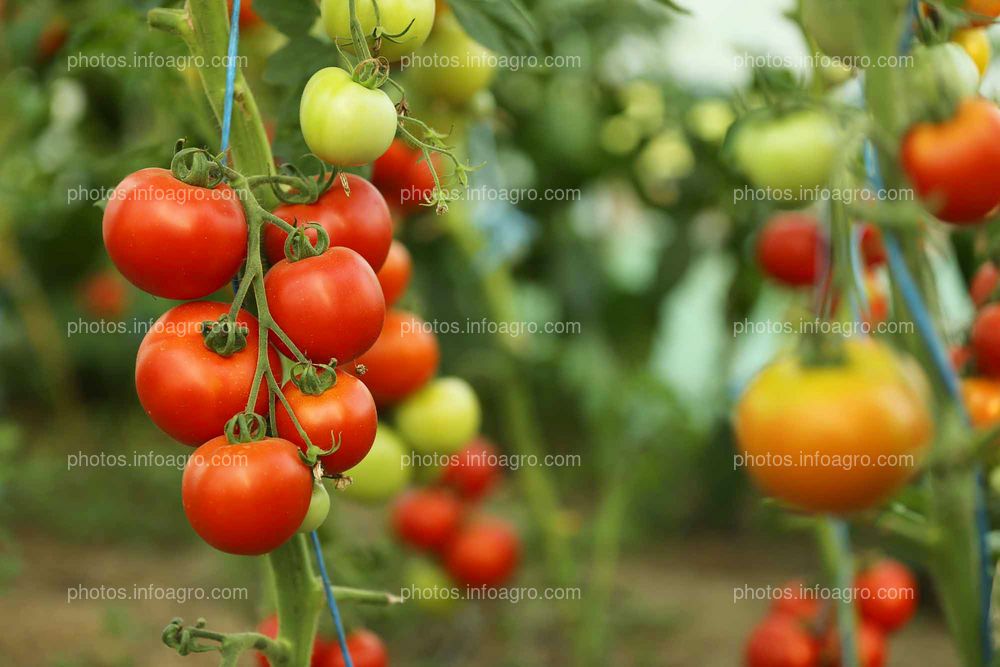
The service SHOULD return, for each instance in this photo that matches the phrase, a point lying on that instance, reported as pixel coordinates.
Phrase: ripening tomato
(474, 470)
(793, 602)
(781, 641)
(887, 595)
(955, 165)
(412, 18)
(985, 340)
(791, 249)
(321, 647)
(394, 276)
(404, 177)
(171, 239)
(982, 12)
(383, 473)
(103, 294)
(331, 306)
(426, 518)
(484, 553)
(451, 65)
(344, 414)
(248, 17)
(359, 221)
(440, 417)
(872, 647)
(365, 648)
(402, 360)
(343, 122)
(984, 284)
(976, 44)
(188, 390)
(982, 401)
(961, 356)
(872, 248)
(838, 436)
(246, 498)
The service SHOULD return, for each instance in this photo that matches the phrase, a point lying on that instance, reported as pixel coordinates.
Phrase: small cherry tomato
(402, 360)
(359, 221)
(791, 249)
(474, 470)
(331, 305)
(484, 553)
(394, 276)
(982, 401)
(365, 648)
(246, 498)
(426, 518)
(781, 641)
(887, 595)
(343, 416)
(985, 340)
(440, 417)
(383, 473)
(984, 284)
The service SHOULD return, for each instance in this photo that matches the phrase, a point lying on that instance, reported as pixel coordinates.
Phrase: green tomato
(319, 508)
(343, 122)
(835, 26)
(430, 588)
(794, 152)
(440, 417)
(414, 16)
(941, 77)
(383, 473)
(450, 65)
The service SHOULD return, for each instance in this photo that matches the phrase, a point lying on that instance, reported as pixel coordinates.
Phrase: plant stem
(838, 563)
(299, 598)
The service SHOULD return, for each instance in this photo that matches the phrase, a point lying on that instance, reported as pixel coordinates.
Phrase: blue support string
(331, 601)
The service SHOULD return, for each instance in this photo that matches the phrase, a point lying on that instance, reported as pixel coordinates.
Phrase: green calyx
(298, 245)
(196, 167)
(224, 336)
(246, 427)
(314, 379)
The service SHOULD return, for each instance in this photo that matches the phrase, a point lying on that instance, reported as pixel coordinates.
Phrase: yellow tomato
(976, 44)
(982, 400)
(838, 437)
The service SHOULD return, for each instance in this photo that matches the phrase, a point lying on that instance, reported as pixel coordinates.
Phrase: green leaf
(292, 17)
(503, 26)
(670, 4)
(297, 60)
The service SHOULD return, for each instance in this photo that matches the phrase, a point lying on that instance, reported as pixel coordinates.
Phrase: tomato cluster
(364, 646)
(800, 628)
(979, 359)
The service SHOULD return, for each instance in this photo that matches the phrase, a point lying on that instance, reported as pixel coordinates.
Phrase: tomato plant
(402, 360)
(383, 473)
(426, 518)
(409, 20)
(321, 647)
(985, 340)
(343, 122)
(172, 239)
(319, 508)
(440, 417)
(246, 498)
(474, 471)
(887, 595)
(330, 306)
(187, 389)
(359, 221)
(366, 650)
(781, 641)
(394, 276)
(483, 553)
(791, 249)
(451, 65)
(404, 177)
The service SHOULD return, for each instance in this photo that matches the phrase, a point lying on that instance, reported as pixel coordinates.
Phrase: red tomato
(345, 412)
(793, 603)
(171, 239)
(248, 17)
(984, 283)
(982, 400)
(961, 356)
(887, 595)
(188, 390)
(247, 498)
(426, 518)
(402, 360)
(781, 641)
(404, 177)
(52, 37)
(473, 471)
(872, 248)
(872, 648)
(103, 294)
(394, 276)
(321, 647)
(955, 165)
(484, 553)
(791, 249)
(366, 650)
(331, 306)
(985, 340)
(360, 221)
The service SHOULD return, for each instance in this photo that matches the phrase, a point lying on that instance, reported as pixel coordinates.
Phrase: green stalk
(299, 599)
(838, 564)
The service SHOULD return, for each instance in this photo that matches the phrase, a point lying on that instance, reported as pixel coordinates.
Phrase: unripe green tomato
(430, 587)
(941, 76)
(319, 508)
(343, 122)
(395, 15)
(835, 26)
(440, 417)
(383, 472)
(450, 65)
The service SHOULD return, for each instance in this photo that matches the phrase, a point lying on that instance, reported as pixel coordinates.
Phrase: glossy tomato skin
(394, 276)
(984, 283)
(484, 554)
(383, 473)
(781, 641)
(404, 177)
(415, 17)
(331, 306)
(835, 438)
(345, 412)
(188, 390)
(343, 122)
(955, 165)
(171, 239)
(426, 518)
(360, 221)
(246, 499)
(791, 249)
(887, 595)
(985, 340)
(474, 471)
(366, 650)
(402, 360)
(982, 401)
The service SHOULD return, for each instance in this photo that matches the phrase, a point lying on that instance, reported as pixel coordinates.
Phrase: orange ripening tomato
(982, 401)
(839, 437)
(781, 641)
(403, 359)
(394, 276)
(982, 12)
